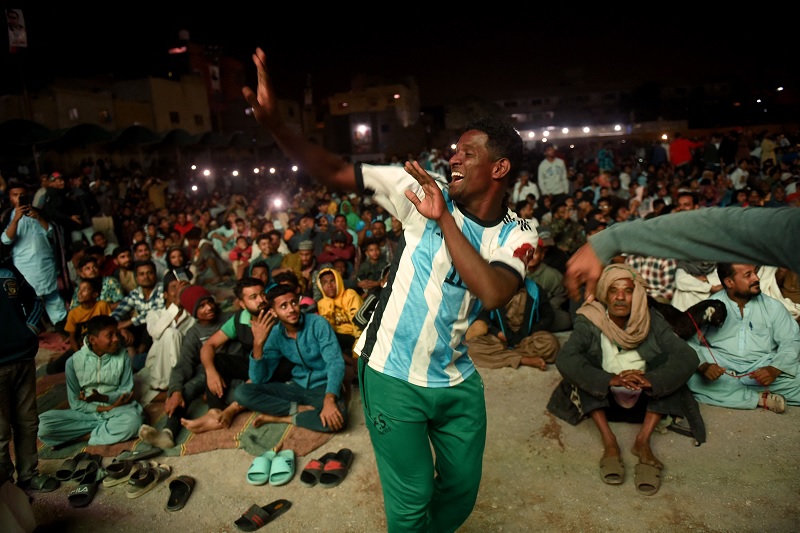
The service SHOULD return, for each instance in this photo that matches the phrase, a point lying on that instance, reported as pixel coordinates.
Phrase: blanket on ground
(51, 393)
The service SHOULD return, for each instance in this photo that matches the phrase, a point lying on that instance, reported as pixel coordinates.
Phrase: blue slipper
(282, 469)
(258, 474)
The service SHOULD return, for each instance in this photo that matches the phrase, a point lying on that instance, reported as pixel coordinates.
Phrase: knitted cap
(192, 296)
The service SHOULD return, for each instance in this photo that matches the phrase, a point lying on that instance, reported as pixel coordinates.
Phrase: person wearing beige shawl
(624, 362)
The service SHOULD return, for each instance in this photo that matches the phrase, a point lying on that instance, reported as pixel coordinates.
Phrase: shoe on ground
(773, 402)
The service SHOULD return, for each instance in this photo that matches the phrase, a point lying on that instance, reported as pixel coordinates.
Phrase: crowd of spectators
(133, 233)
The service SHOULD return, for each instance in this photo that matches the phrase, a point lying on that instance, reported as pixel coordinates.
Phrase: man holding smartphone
(28, 238)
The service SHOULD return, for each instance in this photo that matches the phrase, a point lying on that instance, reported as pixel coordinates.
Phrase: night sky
(480, 52)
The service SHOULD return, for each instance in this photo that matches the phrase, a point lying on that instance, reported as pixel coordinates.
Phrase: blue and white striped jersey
(416, 332)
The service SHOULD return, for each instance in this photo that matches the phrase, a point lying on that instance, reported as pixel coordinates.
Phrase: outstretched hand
(583, 268)
(263, 101)
(432, 206)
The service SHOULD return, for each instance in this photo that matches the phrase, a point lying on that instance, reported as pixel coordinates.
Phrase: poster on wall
(17, 36)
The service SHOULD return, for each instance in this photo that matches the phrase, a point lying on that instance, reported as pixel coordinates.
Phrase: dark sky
(480, 52)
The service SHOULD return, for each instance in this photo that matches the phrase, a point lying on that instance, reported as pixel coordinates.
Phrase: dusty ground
(540, 474)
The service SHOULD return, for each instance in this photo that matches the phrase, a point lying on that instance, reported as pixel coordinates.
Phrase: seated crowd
(196, 296)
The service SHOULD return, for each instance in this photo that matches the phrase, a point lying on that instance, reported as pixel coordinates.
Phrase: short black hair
(147, 262)
(278, 290)
(504, 140)
(243, 283)
(287, 277)
(96, 283)
(98, 323)
(86, 259)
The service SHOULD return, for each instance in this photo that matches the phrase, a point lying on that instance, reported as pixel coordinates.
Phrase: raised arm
(328, 168)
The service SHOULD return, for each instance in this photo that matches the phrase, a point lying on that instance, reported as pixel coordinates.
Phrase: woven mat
(51, 393)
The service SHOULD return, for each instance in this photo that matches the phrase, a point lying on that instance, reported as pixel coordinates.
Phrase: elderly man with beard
(624, 363)
(752, 359)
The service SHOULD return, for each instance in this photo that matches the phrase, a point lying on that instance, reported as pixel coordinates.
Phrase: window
(174, 117)
(73, 114)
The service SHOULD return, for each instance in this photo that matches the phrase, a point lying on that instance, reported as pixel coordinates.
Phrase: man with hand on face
(752, 359)
(226, 370)
(312, 399)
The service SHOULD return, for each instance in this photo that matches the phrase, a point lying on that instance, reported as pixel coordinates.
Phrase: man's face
(14, 194)
(537, 258)
(86, 293)
(685, 203)
(207, 311)
(306, 258)
(744, 283)
(620, 298)
(174, 288)
(378, 230)
(373, 252)
(264, 246)
(106, 341)
(340, 223)
(57, 183)
(146, 277)
(124, 259)
(89, 270)
(287, 308)
(254, 299)
(260, 272)
(472, 167)
(328, 282)
(100, 240)
(142, 252)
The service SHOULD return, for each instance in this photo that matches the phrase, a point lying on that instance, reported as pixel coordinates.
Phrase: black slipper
(180, 489)
(83, 494)
(67, 468)
(257, 517)
(40, 482)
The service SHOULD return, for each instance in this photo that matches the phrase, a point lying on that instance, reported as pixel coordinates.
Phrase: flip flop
(282, 469)
(336, 469)
(144, 480)
(258, 473)
(67, 468)
(138, 455)
(40, 482)
(612, 471)
(83, 494)
(257, 517)
(648, 479)
(86, 467)
(121, 471)
(309, 477)
(180, 489)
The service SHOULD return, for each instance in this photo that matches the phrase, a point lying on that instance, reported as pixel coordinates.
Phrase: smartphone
(24, 199)
(180, 275)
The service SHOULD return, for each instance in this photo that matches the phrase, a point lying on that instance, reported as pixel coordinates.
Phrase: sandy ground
(540, 474)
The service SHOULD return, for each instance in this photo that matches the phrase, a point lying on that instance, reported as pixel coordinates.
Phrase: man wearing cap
(304, 264)
(187, 381)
